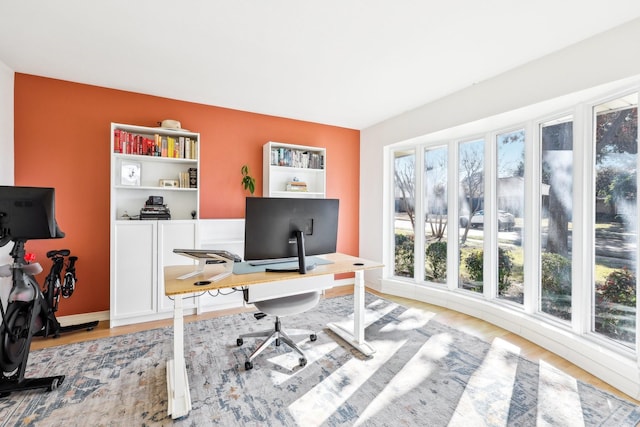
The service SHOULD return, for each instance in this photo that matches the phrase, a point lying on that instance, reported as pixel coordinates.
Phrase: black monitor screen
(27, 213)
(271, 225)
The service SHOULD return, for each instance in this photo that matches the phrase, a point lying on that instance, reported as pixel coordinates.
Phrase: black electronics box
(155, 201)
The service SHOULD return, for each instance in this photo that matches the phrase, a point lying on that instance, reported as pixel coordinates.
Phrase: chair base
(278, 335)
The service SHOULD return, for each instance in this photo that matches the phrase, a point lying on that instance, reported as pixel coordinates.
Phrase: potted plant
(248, 182)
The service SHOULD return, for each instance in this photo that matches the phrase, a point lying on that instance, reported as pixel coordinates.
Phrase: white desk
(179, 398)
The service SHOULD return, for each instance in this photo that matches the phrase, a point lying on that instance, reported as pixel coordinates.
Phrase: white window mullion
(583, 218)
(453, 216)
(637, 272)
(388, 240)
(490, 233)
(419, 244)
(531, 225)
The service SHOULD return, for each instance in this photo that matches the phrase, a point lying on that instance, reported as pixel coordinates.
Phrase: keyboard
(272, 261)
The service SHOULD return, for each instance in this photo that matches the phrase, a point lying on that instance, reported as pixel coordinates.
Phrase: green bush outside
(436, 258)
(615, 314)
(404, 255)
(555, 283)
(475, 266)
(620, 287)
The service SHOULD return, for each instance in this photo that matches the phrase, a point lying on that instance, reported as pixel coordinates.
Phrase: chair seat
(290, 305)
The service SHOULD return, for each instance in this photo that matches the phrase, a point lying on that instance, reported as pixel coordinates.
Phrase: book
(296, 186)
(193, 177)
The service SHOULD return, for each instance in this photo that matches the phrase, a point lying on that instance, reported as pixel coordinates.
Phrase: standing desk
(179, 398)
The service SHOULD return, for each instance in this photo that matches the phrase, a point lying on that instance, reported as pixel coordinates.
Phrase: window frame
(583, 214)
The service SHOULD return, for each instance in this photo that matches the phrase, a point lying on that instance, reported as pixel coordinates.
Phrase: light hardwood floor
(460, 321)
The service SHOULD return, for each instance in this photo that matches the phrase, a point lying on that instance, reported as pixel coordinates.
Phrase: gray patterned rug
(423, 374)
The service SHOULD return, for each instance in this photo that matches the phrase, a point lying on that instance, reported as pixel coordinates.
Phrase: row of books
(189, 179)
(179, 147)
(281, 156)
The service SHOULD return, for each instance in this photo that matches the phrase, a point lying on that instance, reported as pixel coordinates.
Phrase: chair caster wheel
(277, 341)
(239, 342)
(53, 385)
(313, 337)
(302, 361)
(248, 366)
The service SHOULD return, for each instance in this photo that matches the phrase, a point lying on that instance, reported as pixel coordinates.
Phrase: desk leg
(179, 398)
(355, 337)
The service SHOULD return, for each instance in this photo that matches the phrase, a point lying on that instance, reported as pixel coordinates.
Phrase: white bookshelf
(284, 164)
(141, 248)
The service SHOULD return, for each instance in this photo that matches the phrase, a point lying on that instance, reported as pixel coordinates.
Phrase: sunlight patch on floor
(558, 398)
(372, 313)
(289, 361)
(314, 352)
(487, 397)
(414, 372)
(326, 397)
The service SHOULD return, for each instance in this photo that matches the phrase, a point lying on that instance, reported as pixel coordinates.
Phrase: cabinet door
(135, 270)
(223, 234)
(174, 235)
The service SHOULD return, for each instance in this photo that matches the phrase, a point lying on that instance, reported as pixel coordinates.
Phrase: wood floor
(463, 322)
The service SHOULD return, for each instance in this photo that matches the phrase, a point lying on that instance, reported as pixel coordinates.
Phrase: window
(510, 204)
(588, 289)
(404, 212)
(616, 219)
(471, 221)
(556, 206)
(435, 208)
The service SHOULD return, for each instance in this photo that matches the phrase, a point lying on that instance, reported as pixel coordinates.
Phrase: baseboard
(75, 319)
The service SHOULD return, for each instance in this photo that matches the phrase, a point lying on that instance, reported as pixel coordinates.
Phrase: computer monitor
(285, 229)
(27, 213)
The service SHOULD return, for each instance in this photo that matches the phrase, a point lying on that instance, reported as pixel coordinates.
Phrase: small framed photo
(130, 173)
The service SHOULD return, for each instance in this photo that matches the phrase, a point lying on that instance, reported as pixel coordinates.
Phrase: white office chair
(280, 307)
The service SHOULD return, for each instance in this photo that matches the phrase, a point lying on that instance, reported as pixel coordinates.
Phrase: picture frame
(130, 173)
(169, 183)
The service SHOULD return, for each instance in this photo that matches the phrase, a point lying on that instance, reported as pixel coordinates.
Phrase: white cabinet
(142, 249)
(150, 162)
(293, 170)
(228, 235)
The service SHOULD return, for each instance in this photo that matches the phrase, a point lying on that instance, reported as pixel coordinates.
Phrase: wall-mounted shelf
(294, 170)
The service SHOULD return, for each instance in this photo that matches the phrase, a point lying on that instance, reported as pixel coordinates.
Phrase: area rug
(424, 373)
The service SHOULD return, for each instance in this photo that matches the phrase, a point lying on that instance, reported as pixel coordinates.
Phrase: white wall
(6, 154)
(6, 124)
(599, 60)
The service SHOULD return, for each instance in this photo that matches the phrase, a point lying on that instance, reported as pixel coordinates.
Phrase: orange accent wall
(62, 140)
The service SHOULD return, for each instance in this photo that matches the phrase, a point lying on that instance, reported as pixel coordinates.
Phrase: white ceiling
(349, 63)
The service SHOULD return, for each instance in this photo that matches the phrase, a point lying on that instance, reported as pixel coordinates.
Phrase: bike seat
(58, 252)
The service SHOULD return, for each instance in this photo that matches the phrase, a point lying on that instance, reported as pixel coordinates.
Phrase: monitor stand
(302, 259)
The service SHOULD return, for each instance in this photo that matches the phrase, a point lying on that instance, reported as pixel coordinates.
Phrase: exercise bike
(25, 315)
(25, 213)
(56, 285)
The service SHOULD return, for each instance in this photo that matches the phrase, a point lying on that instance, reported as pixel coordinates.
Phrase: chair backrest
(285, 288)
(289, 305)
